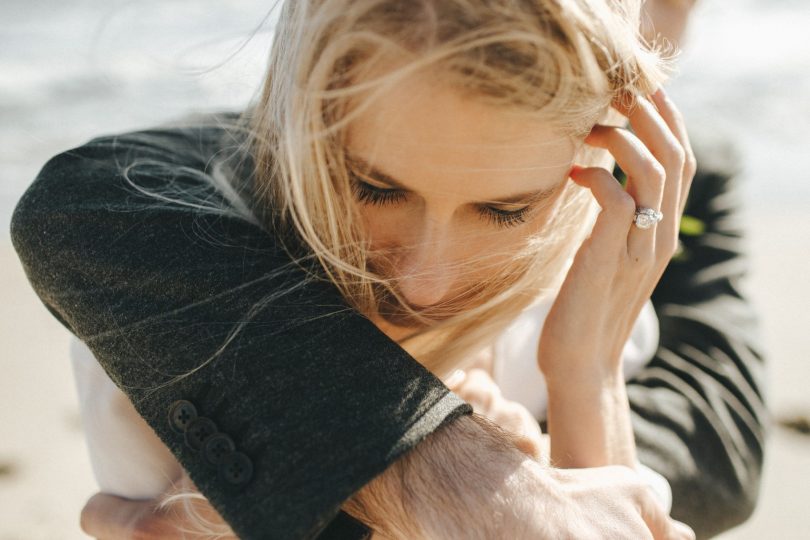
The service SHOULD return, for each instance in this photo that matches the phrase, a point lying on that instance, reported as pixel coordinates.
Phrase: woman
(443, 252)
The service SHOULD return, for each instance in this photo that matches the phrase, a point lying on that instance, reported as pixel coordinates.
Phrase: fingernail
(456, 378)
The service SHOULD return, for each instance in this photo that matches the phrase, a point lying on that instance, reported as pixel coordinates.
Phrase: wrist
(587, 374)
(589, 423)
(465, 476)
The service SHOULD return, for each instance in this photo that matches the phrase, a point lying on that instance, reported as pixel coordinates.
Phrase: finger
(660, 524)
(610, 232)
(455, 379)
(529, 447)
(646, 177)
(674, 119)
(480, 391)
(514, 418)
(651, 128)
(108, 516)
(480, 380)
(682, 530)
(644, 173)
(656, 518)
(667, 146)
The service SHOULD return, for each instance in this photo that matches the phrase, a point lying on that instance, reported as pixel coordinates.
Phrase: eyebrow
(528, 197)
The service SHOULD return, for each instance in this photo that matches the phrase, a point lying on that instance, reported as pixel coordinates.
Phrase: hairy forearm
(466, 480)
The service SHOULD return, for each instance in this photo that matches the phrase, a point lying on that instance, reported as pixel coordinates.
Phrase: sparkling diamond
(646, 218)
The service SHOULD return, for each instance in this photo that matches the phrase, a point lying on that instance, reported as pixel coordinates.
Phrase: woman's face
(449, 189)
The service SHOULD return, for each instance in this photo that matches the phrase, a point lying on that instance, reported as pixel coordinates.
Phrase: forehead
(423, 132)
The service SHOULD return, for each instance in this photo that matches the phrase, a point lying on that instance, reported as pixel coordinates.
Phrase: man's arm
(699, 416)
(316, 400)
(320, 405)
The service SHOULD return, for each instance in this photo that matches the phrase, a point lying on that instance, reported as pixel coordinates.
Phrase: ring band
(646, 217)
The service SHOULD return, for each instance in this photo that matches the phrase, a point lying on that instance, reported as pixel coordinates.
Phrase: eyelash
(505, 218)
(368, 194)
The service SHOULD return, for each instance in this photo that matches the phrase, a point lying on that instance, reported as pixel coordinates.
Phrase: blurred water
(746, 71)
(70, 71)
(73, 70)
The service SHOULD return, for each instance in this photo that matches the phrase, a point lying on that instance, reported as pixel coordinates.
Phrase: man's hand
(611, 502)
(467, 480)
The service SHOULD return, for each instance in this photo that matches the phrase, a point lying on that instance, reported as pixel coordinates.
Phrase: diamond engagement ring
(646, 217)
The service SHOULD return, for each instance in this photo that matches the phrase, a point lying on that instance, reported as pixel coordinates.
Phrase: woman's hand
(477, 387)
(612, 276)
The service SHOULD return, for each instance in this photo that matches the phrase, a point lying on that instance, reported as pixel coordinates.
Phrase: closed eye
(369, 194)
(505, 218)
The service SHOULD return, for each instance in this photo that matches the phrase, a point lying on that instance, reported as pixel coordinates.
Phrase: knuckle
(676, 113)
(676, 155)
(656, 172)
(670, 246)
(690, 164)
(624, 204)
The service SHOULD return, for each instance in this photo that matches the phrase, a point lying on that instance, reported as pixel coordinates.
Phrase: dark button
(181, 414)
(198, 430)
(216, 447)
(236, 468)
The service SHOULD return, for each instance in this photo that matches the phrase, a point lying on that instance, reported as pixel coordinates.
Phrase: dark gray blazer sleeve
(314, 397)
(698, 409)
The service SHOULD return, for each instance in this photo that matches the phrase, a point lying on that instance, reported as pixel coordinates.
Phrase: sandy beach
(69, 72)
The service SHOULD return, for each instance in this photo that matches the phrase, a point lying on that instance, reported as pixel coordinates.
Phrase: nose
(425, 272)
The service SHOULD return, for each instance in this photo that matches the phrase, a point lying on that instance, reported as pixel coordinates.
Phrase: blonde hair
(561, 62)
